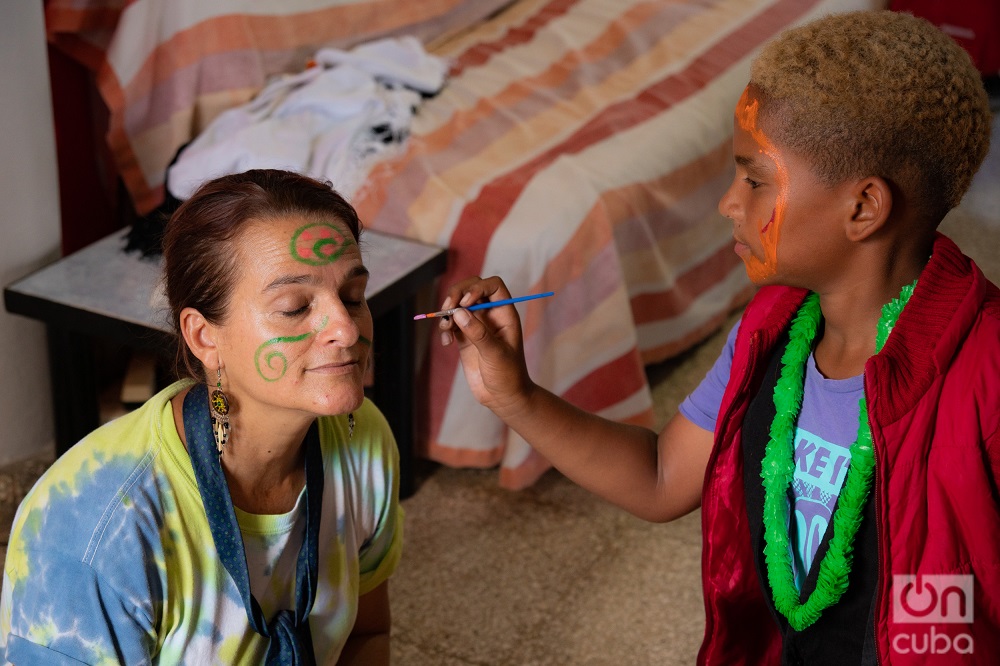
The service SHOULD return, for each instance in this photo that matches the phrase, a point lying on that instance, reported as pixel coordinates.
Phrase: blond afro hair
(878, 93)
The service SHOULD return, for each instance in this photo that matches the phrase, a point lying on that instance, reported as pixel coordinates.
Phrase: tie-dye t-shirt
(111, 559)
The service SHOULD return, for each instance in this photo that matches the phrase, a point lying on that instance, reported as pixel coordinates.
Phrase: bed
(578, 146)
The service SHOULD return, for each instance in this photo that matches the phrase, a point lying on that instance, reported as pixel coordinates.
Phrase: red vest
(934, 407)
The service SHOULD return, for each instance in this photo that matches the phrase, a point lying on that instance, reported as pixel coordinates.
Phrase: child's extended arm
(658, 478)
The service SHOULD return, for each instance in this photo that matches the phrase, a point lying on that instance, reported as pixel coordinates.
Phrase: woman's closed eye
(297, 312)
(353, 294)
(752, 183)
(353, 301)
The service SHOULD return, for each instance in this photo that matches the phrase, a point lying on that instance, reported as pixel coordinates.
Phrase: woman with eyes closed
(248, 514)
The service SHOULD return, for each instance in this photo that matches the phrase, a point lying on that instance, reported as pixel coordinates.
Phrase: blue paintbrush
(483, 306)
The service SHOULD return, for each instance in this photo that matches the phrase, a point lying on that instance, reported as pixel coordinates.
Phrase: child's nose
(728, 205)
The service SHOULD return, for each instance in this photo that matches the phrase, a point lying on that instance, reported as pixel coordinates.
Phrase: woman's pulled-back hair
(200, 262)
(878, 93)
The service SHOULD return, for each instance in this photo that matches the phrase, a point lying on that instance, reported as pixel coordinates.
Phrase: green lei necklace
(779, 466)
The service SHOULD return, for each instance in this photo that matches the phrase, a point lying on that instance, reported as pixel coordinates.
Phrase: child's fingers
(475, 289)
(492, 339)
(468, 292)
(460, 290)
(474, 330)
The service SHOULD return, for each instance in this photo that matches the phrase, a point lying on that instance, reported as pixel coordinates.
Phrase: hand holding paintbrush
(490, 344)
(483, 306)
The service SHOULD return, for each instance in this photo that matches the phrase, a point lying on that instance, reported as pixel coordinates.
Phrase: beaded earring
(350, 426)
(219, 404)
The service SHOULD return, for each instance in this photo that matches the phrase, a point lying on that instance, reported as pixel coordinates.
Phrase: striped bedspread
(581, 147)
(166, 68)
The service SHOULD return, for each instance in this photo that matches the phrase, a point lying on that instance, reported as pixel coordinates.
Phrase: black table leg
(75, 398)
(393, 388)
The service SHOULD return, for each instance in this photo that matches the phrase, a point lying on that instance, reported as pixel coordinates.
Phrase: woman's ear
(872, 199)
(200, 337)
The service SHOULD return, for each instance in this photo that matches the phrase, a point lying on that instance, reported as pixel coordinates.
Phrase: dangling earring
(219, 404)
(350, 426)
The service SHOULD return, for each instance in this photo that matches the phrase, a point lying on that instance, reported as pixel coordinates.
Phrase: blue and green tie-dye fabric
(111, 559)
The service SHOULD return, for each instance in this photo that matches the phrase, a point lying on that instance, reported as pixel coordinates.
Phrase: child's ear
(872, 200)
(200, 337)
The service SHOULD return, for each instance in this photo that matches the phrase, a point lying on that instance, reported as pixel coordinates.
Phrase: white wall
(29, 226)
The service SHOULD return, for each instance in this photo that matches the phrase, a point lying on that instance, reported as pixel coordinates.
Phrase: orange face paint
(747, 112)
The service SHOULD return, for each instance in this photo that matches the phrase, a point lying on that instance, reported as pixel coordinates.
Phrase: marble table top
(105, 280)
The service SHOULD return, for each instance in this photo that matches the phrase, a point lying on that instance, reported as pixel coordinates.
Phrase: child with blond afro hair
(845, 447)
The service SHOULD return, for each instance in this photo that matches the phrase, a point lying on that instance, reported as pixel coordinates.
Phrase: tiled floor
(552, 575)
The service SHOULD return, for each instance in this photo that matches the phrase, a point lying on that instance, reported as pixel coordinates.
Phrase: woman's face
(785, 220)
(298, 332)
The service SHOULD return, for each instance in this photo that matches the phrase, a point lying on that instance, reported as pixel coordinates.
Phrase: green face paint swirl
(280, 355)
(365, 341)
(275, 354)
(319, 243)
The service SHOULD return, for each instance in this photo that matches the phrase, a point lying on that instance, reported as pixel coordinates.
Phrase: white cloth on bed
(401, 60)
(333, 121)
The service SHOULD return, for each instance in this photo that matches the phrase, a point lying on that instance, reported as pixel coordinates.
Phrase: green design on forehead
(319, 243)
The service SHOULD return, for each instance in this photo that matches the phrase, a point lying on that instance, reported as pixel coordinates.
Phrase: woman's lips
(339, 368)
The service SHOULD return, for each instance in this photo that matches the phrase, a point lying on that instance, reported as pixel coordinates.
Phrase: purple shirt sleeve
(701, 407)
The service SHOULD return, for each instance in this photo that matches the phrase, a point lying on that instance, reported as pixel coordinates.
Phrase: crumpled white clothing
(402, 60)
(333, 121)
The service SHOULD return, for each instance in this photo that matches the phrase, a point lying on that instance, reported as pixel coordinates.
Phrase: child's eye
(752, 183)
(353, 302)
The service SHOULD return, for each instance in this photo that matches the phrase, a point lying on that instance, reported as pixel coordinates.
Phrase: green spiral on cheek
(274, 361)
